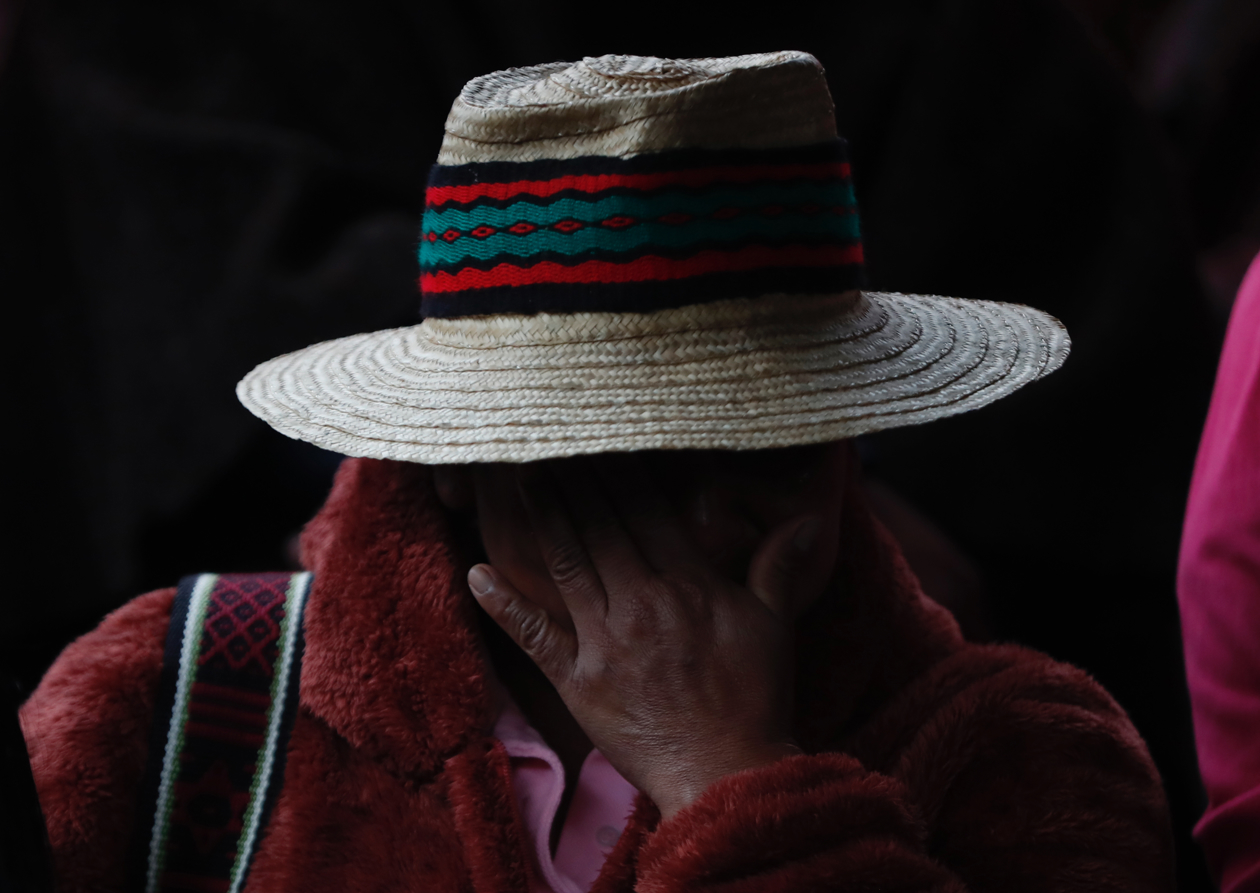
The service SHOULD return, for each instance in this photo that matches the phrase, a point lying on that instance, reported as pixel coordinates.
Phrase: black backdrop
(189, 188)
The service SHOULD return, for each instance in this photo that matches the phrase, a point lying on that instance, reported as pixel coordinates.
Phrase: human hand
(678, 674)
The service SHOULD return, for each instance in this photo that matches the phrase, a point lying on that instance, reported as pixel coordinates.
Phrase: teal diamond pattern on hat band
(616, 223)
(635, 234)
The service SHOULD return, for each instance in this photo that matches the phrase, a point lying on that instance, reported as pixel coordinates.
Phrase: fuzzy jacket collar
(393, 661)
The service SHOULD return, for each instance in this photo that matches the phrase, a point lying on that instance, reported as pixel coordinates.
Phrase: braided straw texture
(738, 374)
(625, 105)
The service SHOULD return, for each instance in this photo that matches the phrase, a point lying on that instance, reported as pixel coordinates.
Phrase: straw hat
(632, 253)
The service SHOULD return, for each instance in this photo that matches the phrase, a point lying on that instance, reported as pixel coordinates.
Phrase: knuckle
(683, 600)
(567, 564)
(692, 591)
(637, 627)
(656, 628)
(533, 632)
(596, 671)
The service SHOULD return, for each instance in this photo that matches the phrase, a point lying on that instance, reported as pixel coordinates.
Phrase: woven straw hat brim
(735, 374)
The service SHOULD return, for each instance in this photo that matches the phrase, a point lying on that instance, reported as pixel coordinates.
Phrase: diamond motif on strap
(242, 626)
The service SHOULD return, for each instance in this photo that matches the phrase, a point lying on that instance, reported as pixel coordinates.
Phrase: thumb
(547, 643)
(783, 563)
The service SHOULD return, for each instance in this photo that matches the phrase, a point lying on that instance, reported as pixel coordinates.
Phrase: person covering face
(603, 511)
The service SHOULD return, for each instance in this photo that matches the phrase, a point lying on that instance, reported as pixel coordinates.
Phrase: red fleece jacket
(931, 764)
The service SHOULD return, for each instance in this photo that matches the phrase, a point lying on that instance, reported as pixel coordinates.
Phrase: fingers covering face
(561, 544)
(546, 642)
(599, 525)
(649, 518)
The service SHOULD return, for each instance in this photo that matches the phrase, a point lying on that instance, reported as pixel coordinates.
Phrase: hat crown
(612, 75)
(631, 253)
(620, 106)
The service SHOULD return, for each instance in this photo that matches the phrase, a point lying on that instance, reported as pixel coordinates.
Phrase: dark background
(187, 189)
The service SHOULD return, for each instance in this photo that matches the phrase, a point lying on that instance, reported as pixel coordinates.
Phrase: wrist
(683, 788)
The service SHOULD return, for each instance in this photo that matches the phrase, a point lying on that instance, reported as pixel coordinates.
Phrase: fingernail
(480, 581)
(806, 534)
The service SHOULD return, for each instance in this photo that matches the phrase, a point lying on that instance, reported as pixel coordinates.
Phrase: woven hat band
(638, 234)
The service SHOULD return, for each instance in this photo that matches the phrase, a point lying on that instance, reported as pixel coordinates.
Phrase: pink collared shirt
(597, 813)
(1219, 589)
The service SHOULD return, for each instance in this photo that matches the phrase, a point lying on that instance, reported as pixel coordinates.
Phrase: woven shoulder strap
(221, 723)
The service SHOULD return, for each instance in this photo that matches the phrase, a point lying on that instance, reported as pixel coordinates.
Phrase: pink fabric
(597, 813)
(1219, 592)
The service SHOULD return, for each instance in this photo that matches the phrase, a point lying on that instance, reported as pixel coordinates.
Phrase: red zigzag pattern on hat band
(644, 269)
